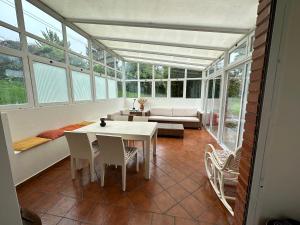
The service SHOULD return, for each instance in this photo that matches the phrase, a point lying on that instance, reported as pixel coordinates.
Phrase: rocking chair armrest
(209, 148)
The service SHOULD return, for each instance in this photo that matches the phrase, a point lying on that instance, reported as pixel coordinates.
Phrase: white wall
(23, 123)
(275, 190)
(167, 102)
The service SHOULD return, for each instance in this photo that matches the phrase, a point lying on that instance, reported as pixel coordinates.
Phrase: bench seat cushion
(174, 118)
(161, 112)
(181, 112)
(71, 127)
(51, 134)
(85, 123)
(29, 143)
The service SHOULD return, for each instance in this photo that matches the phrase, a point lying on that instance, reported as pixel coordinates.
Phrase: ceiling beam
(162, 53)
(214, 48)
(186, 27)
(164, 60)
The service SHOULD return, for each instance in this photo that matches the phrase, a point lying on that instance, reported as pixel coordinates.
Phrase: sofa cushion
(71, 127)
(161, 112)
(29, 143)
(174, 118)
(184, 112)
(51, 134)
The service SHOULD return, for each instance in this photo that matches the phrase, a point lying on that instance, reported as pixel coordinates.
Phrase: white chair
(81, 147)
(113, 151)
(222, 167)
(120, 118)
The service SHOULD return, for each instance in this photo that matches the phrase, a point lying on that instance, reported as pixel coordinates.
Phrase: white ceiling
(215, 14)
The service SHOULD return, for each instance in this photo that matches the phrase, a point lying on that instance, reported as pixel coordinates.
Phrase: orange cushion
(29, 143)
(51, 134)
(71, 127)
(85, 123)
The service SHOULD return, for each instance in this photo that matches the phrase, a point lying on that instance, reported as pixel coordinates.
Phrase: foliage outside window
(110, 72)
(132, 89)
(177, 73)
(100, 69)
(110, 60)
(145, 71)
(51, 83)
(120, 89)
(161, 88)
(119, 64)
(79, 62)
(100, 85)
(44, 50)
(193, 88)
(146, 89)
(161, 72)
(77, 42)
(194, 74)
(176, 89)
(8, 12)
(119, 75)
(98, 53)
(81, 86)
(239, 53)
(130, 71)
(12, 81)
(9, 38)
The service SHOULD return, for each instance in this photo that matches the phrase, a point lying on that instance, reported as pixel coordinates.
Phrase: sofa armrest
(147, 113)
(110, 116)
(199, 116)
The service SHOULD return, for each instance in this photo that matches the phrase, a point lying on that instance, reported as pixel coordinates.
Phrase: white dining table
(129, 130)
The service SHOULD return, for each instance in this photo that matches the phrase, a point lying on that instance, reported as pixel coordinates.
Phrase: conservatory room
(126, 112)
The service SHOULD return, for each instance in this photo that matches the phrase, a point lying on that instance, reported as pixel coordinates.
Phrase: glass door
(215, 118)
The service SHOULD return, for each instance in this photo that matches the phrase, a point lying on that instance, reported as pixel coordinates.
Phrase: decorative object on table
(102, 124)
(133, 108)
(142, 102)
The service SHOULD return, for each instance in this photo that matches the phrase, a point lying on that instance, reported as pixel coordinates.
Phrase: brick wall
(257, 77)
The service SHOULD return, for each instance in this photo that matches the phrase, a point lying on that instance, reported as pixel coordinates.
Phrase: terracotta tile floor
(178, 192)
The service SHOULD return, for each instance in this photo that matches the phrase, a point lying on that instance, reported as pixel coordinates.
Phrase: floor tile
(159, 219)
(66, 221)
(62, 207)
(189, 185)
(184, 221)
(192, 206)
(140, 218)
(178, 192)
(50, 219)
(164, 201)
(178, 211)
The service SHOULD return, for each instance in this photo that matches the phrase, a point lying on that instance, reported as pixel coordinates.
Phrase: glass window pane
(112, 88)
(110, 72)
(209, 103)
(77, 42)
(176, 89)
(119, 64)
(100, 87)
(233, 106)
(12, 81)
(146, 89)
(220, 64)
(51, 83)
(145, 71)
(81, 86)
(119, 75)
(161, 88)
(194, 74)
(120, 89)
(130, 71)
(44, 50)
(210, 88)
(211, 70)
(216, 107)
(98, 53)
(177, 73)
(8, 12)
(100, 69)
(239, 53)
(132, 89)
(193, 89)
(41, 24)
(9, 38)
(79, 62)
(161, 72)
(110, 60)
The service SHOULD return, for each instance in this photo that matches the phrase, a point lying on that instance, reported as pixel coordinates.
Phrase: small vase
(102, 124)
(142, 107)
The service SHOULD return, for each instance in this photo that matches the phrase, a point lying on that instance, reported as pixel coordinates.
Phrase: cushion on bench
(29, 143)
(70, 127)
(161, 112)
(51, 134)
(85, 123)
(189, 112)
(174, 119)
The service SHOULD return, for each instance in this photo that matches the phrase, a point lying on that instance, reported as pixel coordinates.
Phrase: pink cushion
(51, 134)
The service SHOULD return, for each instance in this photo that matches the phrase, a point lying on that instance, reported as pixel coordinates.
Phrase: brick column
(260, 58)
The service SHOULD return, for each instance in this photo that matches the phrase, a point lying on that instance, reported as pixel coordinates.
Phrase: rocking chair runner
(222, 167)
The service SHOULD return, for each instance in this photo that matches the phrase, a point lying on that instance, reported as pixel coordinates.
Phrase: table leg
(154, 143)
(147, 158)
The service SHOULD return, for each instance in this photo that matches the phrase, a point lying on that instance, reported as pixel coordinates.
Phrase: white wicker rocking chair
(222, 167)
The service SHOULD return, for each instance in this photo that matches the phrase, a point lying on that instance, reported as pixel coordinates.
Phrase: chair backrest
(120, 118)
(140, 118)
(112, 149)
(233, 161)
(79, 145)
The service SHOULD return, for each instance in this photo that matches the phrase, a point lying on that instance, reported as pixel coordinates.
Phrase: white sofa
(189, 117)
